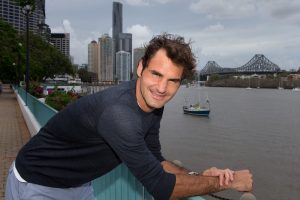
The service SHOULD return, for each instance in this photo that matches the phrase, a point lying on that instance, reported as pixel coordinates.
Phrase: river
(256, 129)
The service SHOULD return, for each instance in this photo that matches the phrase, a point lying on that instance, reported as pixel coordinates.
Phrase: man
(95, 134)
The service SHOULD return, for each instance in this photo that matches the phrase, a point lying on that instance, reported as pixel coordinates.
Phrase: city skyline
(229, 32)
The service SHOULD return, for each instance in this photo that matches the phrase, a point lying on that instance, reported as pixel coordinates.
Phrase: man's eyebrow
(159, 74)
(155, 72)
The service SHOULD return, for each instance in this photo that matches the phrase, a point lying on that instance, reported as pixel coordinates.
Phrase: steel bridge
(258, 64)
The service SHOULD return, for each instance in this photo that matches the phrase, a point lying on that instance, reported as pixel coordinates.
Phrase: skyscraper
(123, 61)
(122, 41)
(61, 41)
(11, 12)
(138, 53)
(117, 27)
(93, 57)
(105, 58)
(125, 44)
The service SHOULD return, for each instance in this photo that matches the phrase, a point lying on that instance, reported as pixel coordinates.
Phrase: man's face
(158, 82)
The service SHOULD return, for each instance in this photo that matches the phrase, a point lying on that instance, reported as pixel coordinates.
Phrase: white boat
(48, 89)
(197, 108)
(296, 89)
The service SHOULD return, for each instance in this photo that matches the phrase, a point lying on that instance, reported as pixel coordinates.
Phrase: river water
(256, 129)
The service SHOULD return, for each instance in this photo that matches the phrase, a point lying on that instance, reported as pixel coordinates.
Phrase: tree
(84, 75)
(45, 60)
(23, 3)
(11, 53)
(214, 77)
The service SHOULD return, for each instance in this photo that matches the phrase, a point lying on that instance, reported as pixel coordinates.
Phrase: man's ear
(139, 69)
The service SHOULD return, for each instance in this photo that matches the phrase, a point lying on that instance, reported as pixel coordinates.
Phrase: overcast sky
(229, 32)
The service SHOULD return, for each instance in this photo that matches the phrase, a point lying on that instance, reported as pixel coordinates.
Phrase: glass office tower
(117, 27)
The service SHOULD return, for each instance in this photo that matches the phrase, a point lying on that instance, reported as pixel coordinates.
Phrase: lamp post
(27, 11)
(19, 63)
(15, 70)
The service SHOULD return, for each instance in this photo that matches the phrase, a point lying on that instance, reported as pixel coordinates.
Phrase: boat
(197, 109)
(296, 89)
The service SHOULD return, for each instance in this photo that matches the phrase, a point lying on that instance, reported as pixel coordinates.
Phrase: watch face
(193, 173)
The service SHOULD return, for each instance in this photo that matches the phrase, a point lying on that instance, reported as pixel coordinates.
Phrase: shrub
(36, 89)
(60, 99)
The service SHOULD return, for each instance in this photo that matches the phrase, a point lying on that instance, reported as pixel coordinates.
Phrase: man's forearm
(187, 185)
(173, 169)
(209, 182)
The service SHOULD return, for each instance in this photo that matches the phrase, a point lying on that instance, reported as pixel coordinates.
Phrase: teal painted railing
(42, 112)
(119, 184)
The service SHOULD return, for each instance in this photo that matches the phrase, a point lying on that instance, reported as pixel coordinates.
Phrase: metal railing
(41, 111)
(119, 184)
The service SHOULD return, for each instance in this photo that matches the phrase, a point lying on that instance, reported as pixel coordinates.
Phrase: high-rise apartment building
(11, 12)
(61, 41)
(138, 53)
(105, 58)
(125, 44)
(123, 61)
(93, 49)
(122, 41)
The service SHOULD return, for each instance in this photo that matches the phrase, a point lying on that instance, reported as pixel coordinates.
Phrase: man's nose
(162, 86)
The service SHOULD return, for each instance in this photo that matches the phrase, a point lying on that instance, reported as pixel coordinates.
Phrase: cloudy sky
(229, 32)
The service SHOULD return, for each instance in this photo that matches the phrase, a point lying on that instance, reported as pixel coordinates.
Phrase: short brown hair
(177, 50)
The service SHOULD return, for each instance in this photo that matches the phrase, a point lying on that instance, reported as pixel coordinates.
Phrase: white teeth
(157, 96)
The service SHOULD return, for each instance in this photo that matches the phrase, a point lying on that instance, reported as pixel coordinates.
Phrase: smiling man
(98, 132)
(157, 83)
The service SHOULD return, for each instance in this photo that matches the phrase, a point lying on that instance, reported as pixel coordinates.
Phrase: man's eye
(174, 81)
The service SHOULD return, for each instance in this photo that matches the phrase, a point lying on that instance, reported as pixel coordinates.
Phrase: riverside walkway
(13, 132)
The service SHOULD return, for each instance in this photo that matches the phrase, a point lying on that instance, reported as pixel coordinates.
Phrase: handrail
(41, 111)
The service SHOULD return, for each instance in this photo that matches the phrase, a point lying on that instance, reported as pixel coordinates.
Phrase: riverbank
(254, 83)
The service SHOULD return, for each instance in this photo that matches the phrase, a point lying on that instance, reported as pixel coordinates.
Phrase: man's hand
(210, 182)
(242, 181)
(225, 175)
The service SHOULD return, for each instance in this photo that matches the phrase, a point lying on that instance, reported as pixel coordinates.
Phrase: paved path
(13, 132)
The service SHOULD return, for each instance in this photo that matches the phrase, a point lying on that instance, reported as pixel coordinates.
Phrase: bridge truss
(258, 64)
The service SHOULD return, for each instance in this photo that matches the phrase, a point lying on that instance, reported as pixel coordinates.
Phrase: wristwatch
(193, 173)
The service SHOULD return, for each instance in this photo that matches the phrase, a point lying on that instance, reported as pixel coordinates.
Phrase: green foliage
(59, 99)
(283, 74)
(45, 60)
(23, 3)
(214, 77)
(84, 75)
(36, 89)
(10, 52)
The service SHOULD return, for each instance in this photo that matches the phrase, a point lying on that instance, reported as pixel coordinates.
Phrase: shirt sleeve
(121, 127)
